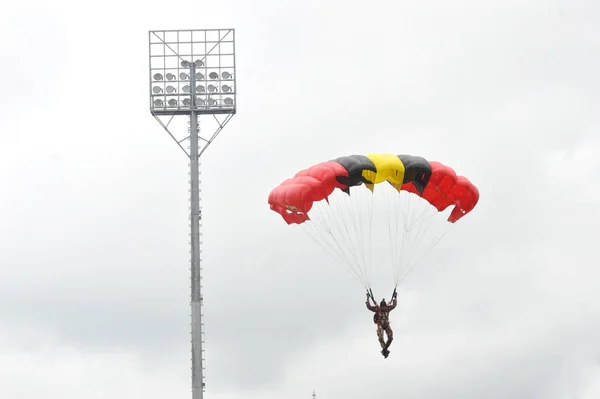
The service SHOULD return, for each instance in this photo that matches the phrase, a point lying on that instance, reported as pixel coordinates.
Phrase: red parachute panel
(294, 197)
(445, 189)
(327, 172)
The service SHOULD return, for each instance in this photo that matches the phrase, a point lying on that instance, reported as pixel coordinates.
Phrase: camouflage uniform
(382, 319)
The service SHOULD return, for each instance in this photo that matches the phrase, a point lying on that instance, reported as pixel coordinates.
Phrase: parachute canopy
(434, 182)
(418, 183)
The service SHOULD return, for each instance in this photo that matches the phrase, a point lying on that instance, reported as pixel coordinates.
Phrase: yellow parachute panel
(389, 168)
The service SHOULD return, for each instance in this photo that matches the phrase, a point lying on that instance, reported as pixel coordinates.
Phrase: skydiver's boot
(383, 349)
(385, 352)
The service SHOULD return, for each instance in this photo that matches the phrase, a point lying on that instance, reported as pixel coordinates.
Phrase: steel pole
(196, 285)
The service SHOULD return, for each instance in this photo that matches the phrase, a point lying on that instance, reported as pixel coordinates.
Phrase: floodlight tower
(192, 73)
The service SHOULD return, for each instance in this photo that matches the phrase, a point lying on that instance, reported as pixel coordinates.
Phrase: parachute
(335, 201)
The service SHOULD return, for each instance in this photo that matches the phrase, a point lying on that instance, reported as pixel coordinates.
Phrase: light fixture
(192, 74)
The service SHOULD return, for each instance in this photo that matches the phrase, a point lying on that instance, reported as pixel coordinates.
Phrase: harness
(381, 317)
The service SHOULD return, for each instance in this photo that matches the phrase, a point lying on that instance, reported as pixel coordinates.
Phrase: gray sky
(94, 273)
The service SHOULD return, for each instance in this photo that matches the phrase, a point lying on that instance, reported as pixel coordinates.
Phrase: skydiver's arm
(394, 303)
(369, 306)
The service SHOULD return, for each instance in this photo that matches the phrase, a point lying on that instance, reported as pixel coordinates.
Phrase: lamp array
(176, 85)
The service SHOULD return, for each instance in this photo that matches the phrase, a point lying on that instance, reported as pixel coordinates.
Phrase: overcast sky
(94, 272)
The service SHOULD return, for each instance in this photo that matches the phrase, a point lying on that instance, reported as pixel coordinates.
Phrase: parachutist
(382, 319)
(312, 198)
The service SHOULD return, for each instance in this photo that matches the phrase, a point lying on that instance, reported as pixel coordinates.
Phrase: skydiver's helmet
(382, 303)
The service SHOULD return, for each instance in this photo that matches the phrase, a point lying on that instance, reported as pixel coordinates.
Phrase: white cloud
(93, 246)
(37, 363)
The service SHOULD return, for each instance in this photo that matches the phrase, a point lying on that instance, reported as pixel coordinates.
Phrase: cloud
(94, 279)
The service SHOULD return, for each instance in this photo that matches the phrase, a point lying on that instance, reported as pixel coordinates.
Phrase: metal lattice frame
(212, 54)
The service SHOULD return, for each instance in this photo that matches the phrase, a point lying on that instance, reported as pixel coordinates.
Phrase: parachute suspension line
(345, 261)
(415, 218)
(408, 244)
(357, 218)
(341, 225)
(403, 213)
(318, 226)
(421, 229)
(336, 229)
(370, 228)
(354, 219)
(370, 291)
(403, 206)
(366, 230)
(363, 223)
(410, 236)
(392, 218)
(406, 219)
(422, 222)
(351, 219)
(400, 234)
(403, 221)
(391, 237)
(337, 254)
(427, 250)
(312, 229)
(417, 238)
(348, 248)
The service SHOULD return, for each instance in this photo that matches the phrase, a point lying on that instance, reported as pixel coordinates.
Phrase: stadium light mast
(192, 73)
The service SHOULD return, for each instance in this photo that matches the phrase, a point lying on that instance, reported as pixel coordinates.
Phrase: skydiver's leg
(380, 335)
(390, 335)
